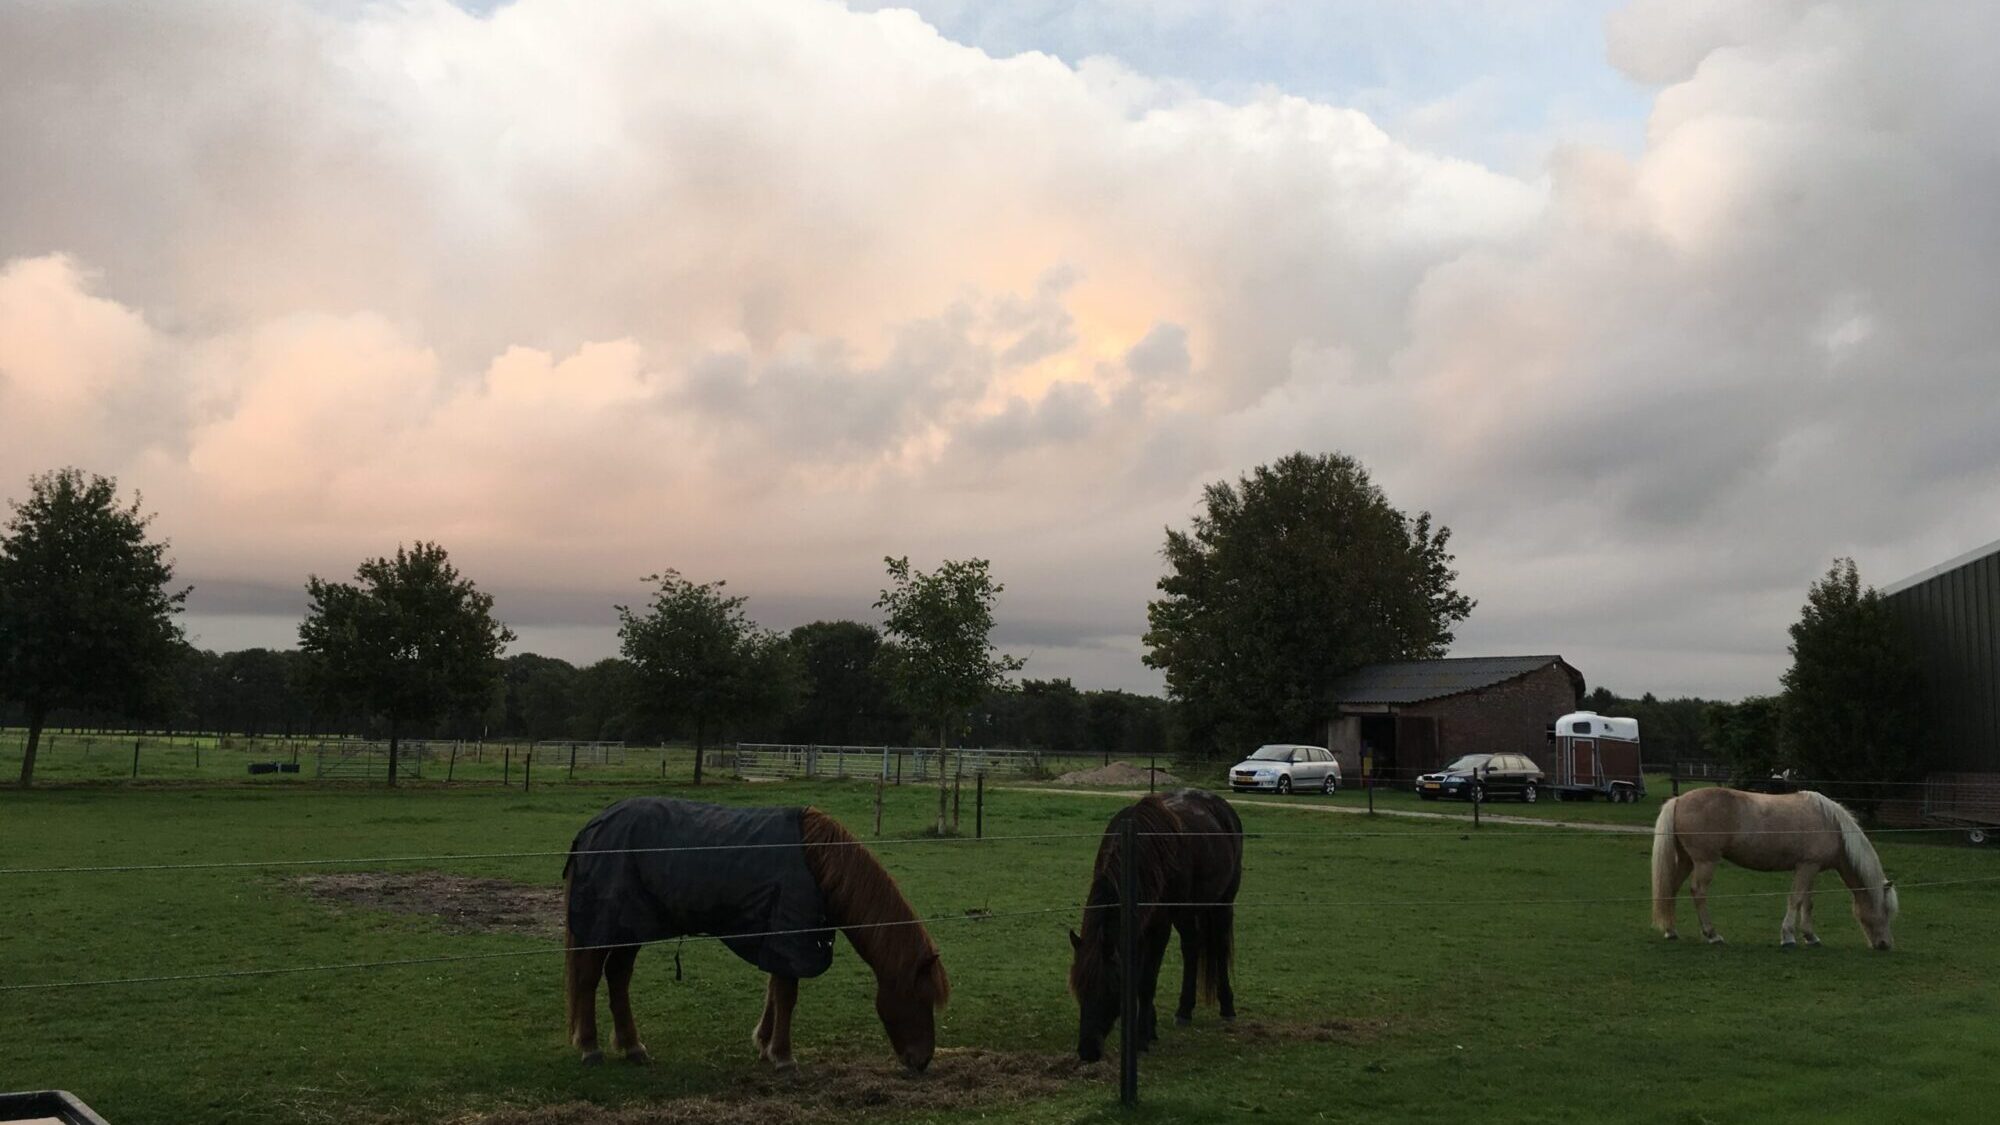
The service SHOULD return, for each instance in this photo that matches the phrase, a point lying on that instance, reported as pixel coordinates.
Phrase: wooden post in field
(135, 757)
(528, 771)
(572, 761)
(979, 806)
(1478, 796)
(507, 765)
(1152, 768)
(955, 779)
(879, 782)
(1128, 936)
(1368, 779)
(451, 766)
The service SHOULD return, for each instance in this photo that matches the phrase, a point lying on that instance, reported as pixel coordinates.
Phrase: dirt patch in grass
(460, 902)
(1122, 774)
(835, 1090)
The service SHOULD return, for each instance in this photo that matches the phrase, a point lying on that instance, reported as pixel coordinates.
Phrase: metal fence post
(1128, 937)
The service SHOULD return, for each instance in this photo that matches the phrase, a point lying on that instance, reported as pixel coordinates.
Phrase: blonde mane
(1859, 853)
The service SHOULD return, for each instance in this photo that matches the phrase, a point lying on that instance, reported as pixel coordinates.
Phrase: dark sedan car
(1485, 777)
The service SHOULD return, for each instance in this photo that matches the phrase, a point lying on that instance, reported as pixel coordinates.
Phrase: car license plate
(1431, 785)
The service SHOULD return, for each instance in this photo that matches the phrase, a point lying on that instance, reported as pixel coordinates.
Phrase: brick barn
(1418, 715)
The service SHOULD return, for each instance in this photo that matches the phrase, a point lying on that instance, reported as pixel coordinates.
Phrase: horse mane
(1860, 854)
(1157, 823)
(861, 896)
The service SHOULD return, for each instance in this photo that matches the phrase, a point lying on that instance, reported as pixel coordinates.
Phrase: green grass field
(1388, 969)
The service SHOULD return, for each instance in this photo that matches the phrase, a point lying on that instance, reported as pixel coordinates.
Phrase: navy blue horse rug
(743, 878)
(772, 884)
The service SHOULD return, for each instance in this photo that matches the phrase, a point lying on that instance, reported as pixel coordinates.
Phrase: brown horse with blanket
(773, 884)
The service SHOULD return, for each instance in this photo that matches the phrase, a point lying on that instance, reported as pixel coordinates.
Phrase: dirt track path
(1314, 806)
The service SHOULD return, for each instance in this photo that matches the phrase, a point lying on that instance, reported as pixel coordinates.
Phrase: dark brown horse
(1190, 850)
(773, 883)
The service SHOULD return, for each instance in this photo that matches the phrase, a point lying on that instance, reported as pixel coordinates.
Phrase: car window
(1516, 762)
(1321, 756)
(1470, 762)
(1272, 754)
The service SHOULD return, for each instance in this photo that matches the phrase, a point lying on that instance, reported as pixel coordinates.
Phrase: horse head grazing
(1096, 972)
(1096, 980)
(1875, 909)
(863, 900)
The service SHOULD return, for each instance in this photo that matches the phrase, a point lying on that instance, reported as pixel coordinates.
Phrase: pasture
(1387, 969)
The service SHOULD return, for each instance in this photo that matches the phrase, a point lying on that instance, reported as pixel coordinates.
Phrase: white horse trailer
(1595, 756)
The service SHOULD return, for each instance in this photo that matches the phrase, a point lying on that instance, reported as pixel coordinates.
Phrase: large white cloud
(770, 288)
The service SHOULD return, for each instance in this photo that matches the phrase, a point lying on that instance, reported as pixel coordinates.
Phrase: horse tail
(1666, 865)
(1217, 927)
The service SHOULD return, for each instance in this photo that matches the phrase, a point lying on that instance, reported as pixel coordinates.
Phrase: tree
(1744, 735)
(408, 641)
(1853, 695)
(941, 659)
(846, 698)
(1294, 574)
(539, 697)
(86, 613)
(698, 659)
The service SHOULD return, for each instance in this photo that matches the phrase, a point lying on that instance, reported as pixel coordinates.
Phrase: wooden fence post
(135, 757)
(1128, 936)
(979, 806)
(879, 782)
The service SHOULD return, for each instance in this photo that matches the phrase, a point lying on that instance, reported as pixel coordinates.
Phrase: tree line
(410, 648)
(1288, 577)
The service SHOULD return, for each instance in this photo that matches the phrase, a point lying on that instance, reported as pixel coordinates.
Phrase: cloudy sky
(1659, 306)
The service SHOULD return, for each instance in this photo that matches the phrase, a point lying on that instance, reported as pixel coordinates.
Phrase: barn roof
(1414, 681)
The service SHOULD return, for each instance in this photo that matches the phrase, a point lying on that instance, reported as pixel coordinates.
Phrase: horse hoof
(638, 1056)
(1715, 939)
(1788, 945)
(786, 1067)
(1812, 939)
(1672, 936)
(593, 1058)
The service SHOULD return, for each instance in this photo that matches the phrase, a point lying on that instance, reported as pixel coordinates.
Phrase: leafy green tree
(698, 659)
(603, 704)
(409, 640)
(1744, 735)
(1853, 696)
(1292, 575)
(86, 612)
(846, 698)
(941, 658)
(539, 697)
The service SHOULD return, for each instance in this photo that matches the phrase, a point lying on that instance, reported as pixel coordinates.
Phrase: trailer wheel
(1976, 835)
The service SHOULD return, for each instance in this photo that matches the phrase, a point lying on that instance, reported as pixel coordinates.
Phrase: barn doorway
(1378, 736)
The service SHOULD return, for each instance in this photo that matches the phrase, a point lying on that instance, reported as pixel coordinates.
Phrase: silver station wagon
(1283, 767)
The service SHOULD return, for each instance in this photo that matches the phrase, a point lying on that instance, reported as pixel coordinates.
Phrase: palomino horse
(1190, 850)
(1805, 832)
(773, 884)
